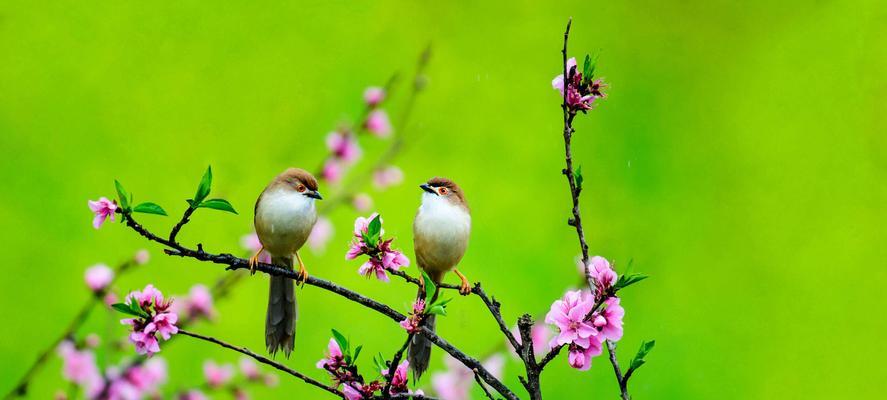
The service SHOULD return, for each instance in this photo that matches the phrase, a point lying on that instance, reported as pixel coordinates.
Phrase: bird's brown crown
(299, 175)
(438, 182)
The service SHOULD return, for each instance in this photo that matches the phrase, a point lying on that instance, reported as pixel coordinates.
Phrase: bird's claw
(303, 276)
(253, 263)
(465, 288)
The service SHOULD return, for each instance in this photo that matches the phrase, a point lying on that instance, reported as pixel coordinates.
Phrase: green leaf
(130, 309)
(586, 68)
(374, 229)
(577, 176)
(149, 208)
(430, 287)
(205, 184)
(441, 302)
(437, 310)
(357, 352)
(342, 341)
(638, 360)
(628, 280)
(379, 361)
(218, 204)
(122, 196)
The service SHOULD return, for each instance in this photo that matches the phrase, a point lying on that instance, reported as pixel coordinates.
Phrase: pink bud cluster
(139, 381)
(381, 256)
(581, 326)
(344, 151)
(413, 323)
(157, 319)
(386, 177)
(344, 372)
(377, 121)
(580, 96)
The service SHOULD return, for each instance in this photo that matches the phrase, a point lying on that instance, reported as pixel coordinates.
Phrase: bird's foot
(303, 273)
(254, 261)
(465, 288)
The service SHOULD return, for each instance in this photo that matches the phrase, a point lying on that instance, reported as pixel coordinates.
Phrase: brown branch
(393, 366)
(21, 388)
(482, 386)
(235, 263)
(525, 326)
(265, 360)
(622, 381)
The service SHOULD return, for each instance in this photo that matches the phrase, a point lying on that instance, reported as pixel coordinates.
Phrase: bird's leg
(465, 289)
(303, 273)
(254, 261)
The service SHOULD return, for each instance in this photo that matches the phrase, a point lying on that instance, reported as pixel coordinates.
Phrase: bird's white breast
(284, 219)
(441, 229)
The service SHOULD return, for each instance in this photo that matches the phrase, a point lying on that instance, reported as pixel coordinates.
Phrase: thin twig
(386, 393)
(622, 381)
(265, 360)
(482, 386)
(178, 227)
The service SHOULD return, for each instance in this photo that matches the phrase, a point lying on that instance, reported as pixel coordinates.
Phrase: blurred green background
(739, 160)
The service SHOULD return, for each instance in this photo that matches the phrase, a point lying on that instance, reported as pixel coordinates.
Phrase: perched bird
(284, 216)
(440, 237)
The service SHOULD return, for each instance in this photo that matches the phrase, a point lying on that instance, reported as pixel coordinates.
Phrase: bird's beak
(314, 195)
(427, 188)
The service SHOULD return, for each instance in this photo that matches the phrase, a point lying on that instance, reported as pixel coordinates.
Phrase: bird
(285, 213)
(440, 237)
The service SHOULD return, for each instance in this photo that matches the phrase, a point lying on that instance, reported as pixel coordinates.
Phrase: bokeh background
(738, 160)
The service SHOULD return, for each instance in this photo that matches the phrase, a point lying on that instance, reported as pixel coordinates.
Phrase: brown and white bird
(284, 216)
(440, 237)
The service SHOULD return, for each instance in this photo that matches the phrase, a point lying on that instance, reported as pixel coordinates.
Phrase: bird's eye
(301, 188)
(443, 191)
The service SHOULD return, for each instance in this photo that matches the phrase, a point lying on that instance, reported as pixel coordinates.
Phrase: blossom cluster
(585, 320)
(368, 241)
(456, 381)
(80, 368)
(413, 322)
(152, 317)
(344, 151)
(340, 364)
(582, 89)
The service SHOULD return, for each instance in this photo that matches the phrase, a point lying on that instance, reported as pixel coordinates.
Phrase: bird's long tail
(280, 320)
(420, 347)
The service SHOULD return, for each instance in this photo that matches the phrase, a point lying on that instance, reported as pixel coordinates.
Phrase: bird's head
(299, 181)
(443, 189)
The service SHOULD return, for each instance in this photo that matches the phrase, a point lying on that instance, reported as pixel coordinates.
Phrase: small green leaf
(374, 229)
(149, 208)
(122, 196)
(577, 176)
(437, 310)
(130, 309)
(586, 68)
(218, 204)
(441, 302)
(430, 287)
(205, 184)
(639, 360)
(628, 280)
(379, 361)
(357, 352)
(342, 341)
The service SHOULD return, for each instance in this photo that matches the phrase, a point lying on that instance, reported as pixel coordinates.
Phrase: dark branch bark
(482, 386)
(622, 381)
(265, 360)
(386, 393)
(525, 326)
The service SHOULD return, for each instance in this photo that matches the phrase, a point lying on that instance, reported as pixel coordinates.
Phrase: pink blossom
(361, 225)
(334, 358)
(374, 267)
(102, 208)
(332, 171)
(568, 314)
(603, 275)
(373, 96)
(165, 324)
(147, 377)
(399, 379)
(110, 298)
(193, 395)
(98, 277)
(412, 323)
(558, 81)
(79, 366)
(611, 326)
(353, 391)
(141, 257)
(217, 375)
(386, 177)
(580, 358)
(147, 297)
(249, 369)
(320, 234)
(145, 343)
(92, 340)
(362, 202)
(378, 124)
(343, 146)
(251, 243)
(580, 95)
(456, 382)
(199, 302)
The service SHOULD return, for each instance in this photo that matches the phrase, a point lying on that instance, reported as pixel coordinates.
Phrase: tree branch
(622, 381)
(265, 360)
(386, 393)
